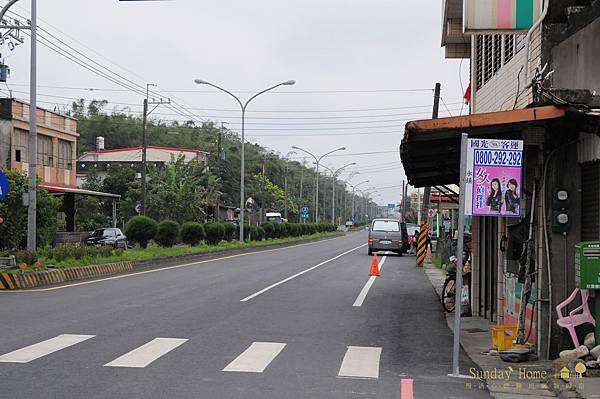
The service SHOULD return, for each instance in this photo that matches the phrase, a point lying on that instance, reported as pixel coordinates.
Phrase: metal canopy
(430, 149)
(75, 190)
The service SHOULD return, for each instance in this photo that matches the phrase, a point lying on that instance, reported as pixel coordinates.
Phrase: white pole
(459, 254)
(32, 208)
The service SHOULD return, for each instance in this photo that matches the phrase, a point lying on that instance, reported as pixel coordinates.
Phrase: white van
(274, 217)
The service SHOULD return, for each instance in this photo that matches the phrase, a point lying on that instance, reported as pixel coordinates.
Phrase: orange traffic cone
(374, 266)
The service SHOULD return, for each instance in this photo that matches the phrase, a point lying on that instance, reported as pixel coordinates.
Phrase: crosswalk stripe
(256, 358)
(360, 362)
(144, 355)
(35, 351)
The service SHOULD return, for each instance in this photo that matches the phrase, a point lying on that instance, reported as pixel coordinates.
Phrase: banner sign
(494, 175)
(500, 15)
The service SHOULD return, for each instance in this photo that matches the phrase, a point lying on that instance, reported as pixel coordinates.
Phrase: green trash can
(587, 274)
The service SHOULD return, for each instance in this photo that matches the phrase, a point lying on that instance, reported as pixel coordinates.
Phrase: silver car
(388, 235)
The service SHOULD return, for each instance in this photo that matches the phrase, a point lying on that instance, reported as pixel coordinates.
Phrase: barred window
(65, 159)
(479, 62)
(45, 155)
(487, 58)
(509, 47)
(497, 52)
(519, 42)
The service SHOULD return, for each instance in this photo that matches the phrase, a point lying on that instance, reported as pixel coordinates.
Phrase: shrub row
(142, 229)
(280, 230)
(71, 251)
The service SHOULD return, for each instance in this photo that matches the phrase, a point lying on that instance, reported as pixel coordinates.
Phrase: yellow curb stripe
(8, 282)
(17, 282)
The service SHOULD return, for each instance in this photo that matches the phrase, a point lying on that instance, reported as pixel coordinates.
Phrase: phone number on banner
(497, 158)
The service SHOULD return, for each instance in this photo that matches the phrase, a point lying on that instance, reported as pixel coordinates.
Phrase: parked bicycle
(449, 289)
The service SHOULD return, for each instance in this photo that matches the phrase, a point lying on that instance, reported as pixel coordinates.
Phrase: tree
(13, 231)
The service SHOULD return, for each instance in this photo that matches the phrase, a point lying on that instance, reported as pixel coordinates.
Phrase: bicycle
(449, 289)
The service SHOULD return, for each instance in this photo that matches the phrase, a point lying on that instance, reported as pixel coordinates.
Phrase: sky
(362, 70)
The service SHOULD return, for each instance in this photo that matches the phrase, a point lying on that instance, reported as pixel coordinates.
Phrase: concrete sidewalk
(503, 380)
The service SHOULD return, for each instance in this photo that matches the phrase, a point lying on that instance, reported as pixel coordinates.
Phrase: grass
(154, 251)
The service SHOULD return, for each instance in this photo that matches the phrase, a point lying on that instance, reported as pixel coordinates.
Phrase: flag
(467, 96)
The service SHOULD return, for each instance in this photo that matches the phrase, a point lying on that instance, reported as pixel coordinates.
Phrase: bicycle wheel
(448, 295)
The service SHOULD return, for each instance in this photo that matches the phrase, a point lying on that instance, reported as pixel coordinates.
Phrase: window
(45, 155)
(21, 145)
(385, 225)
(479, 61)
(487, 58)
(497, 52)
(509, 47)
(65, 160)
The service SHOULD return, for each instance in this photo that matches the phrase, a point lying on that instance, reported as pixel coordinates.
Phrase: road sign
(3, 185)
(431, 213)
(138, 207)
(392, 206)
(304, 210)
(304, 215)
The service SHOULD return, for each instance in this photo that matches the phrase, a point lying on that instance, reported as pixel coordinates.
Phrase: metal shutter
(590, 202)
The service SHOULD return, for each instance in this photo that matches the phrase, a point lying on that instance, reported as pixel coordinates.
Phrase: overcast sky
(380, 57)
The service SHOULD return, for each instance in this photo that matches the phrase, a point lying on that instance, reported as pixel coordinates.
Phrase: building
(56, 142)
(101, 160)
(513, 96)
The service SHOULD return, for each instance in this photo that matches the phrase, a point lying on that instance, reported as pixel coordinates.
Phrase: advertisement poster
(494, 173)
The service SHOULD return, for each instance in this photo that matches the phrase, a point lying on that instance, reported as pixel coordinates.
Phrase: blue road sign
(3, 185)
(304, 210)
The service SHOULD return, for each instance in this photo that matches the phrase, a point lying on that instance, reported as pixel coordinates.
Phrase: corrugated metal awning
(430, 148)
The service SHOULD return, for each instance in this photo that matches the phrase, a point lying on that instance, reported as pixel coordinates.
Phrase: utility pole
(427, 190)
(262, 188)
(301, 197)
(219, 158)
(287, 164)
(144, 141)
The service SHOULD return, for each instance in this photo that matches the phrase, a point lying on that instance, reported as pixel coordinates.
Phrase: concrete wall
(575, 60)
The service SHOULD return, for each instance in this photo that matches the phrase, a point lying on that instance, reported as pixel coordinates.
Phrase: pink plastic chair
(573, 320)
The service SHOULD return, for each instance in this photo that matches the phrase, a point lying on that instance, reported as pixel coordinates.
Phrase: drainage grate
(475, 330)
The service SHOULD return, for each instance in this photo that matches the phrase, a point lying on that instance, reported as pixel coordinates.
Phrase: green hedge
(167, 233)
(215, 232)
(141, 229)
(192, 233)
(72, 251)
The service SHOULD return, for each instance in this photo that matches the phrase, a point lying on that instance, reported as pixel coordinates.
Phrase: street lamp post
(353, 195)
(287, 163)
(243, 107)
(317, 160)
(333, 175)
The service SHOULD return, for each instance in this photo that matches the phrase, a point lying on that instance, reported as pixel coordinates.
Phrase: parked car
(110, 236)
(349, 223)
(388, 235)
(274, 217)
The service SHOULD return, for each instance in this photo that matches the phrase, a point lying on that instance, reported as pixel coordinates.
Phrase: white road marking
(256, 358)
(361, 362)
(365, 290)
(41, 349)
(299, 274)
(147, 353)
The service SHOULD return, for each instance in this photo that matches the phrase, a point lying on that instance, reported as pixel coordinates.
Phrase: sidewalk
(504, 380)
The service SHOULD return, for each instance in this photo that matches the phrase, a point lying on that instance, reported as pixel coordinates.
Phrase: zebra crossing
(358, 361)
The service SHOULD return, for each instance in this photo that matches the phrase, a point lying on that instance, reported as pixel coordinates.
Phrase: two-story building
(539, 85)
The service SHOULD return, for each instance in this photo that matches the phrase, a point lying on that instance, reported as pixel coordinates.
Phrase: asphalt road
(274, 324)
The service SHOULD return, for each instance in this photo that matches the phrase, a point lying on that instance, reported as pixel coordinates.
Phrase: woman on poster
(511, 197)
(494, 199)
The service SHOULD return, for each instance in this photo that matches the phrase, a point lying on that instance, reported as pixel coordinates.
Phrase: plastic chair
(573, 320)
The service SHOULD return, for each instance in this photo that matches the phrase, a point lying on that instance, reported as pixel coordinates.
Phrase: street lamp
(287, 163)
(347, 182)
(318, 160)
(333, 175)
(353, 195)
(243, 108)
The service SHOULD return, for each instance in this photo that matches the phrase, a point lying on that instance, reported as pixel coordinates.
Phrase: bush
(192, 233)
(215, 232)
(269, 228)
(260, 234)
(141, 229)
(72, 251)
(167, 233)
(24, 256)
(230, 230)
(279, 230)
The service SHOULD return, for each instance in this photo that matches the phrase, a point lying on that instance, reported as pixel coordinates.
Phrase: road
(274, 324)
